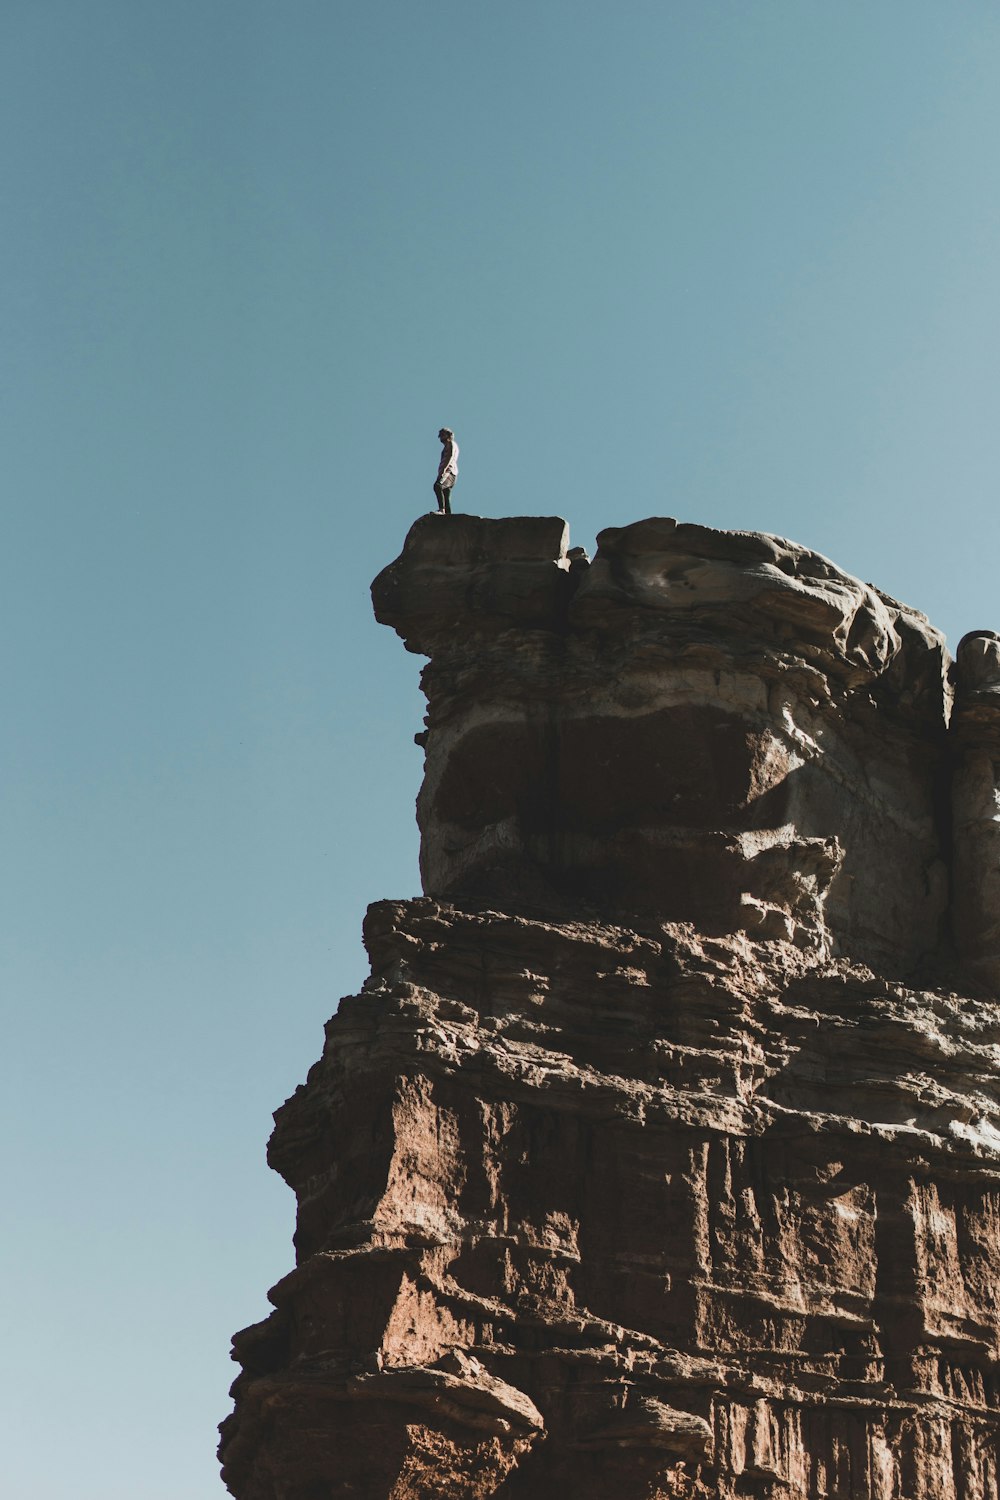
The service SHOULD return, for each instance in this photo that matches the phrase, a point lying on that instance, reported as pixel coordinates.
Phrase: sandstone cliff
(660, 1155)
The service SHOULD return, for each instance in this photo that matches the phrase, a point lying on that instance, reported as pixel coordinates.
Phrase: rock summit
(659, 1156)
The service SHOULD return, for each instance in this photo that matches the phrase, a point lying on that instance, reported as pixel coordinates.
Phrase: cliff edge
(660, 1155)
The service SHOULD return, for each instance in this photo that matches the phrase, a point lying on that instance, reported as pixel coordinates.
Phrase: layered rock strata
(975, 738)
(660, 1154)
(715, 727)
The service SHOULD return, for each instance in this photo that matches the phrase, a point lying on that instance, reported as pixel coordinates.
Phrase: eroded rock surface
(715, 727)
(660, 1155)
(975, 733)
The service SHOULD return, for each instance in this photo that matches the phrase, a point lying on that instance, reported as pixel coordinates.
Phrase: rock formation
(660, 1155)
(975, 728)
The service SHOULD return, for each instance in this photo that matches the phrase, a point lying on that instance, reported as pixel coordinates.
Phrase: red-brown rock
(675, 1171)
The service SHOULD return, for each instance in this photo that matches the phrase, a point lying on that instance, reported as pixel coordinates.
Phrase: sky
(731, 262)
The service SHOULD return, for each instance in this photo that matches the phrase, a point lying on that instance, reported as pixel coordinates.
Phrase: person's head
(446, 434)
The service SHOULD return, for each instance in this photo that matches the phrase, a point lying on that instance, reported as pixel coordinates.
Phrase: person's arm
(446, 452)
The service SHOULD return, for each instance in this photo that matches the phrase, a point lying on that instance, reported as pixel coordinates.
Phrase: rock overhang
(586, 717)
(637, 1168)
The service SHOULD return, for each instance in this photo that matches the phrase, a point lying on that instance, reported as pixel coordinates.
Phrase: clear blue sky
(736, 263)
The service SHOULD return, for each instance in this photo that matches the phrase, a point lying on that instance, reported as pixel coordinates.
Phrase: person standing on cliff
(447, 471)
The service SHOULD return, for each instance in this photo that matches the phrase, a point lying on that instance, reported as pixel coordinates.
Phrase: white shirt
(448, 472)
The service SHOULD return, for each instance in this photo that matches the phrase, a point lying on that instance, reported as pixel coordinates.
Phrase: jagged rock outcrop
(975, 735)
(660, 1154)
(715, 727)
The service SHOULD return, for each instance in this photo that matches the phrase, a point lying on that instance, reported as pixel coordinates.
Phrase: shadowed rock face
(638, 1169)
(975, 729)
(713, 727)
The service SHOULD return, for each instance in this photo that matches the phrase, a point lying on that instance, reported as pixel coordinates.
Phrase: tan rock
(582, 1206)
(704, 726)
(647, 1165)
(975, 727)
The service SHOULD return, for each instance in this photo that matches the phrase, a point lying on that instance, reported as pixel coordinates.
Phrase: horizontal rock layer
(592, 1211)
(715, 727)
(660, 1155)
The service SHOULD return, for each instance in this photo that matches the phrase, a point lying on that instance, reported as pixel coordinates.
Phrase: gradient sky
(736, 263)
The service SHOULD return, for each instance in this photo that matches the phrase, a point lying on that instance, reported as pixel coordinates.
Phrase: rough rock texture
(715, 727)
(975, 728)
(660, 1155)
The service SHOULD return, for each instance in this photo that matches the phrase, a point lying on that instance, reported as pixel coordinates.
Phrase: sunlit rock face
(714, 727)
(659, 1156)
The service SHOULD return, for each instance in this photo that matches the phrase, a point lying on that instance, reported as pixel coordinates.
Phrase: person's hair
(446, 432)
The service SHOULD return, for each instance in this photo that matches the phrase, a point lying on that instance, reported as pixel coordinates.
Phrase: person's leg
(447, 501)
(440, 493)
